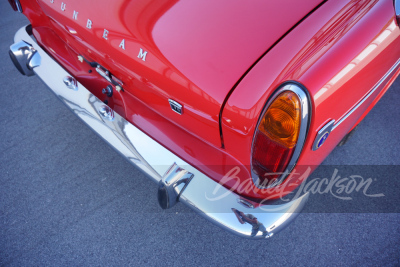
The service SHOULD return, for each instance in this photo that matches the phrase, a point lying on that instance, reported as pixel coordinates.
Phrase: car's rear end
(220, 102)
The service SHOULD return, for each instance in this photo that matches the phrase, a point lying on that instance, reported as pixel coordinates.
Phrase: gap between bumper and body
(178, 180)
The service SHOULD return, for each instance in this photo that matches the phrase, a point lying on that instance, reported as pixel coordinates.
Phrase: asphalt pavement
(67, 198)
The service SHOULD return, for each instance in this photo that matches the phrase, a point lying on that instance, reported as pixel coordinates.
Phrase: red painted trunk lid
(195, 50)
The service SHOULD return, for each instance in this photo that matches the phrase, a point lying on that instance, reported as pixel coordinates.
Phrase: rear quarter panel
(339, 53)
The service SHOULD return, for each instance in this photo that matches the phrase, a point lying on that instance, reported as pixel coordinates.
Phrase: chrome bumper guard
(178, 181)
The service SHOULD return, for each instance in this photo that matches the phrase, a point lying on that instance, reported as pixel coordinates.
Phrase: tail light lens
(16, 5)
(280, 135)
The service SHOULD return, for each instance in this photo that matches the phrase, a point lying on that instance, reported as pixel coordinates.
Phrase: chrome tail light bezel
(304, 98)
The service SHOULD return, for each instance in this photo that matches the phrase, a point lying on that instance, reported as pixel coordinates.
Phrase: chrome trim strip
(368, 95)
(18, 4)
(211, 199)
(397, 7)
(305, 115)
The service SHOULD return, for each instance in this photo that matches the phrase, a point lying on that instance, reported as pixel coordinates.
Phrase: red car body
(222, 61)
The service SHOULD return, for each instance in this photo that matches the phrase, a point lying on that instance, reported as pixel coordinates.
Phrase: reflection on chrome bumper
(197, 190)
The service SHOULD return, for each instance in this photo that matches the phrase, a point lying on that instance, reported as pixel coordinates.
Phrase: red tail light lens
(280, 135)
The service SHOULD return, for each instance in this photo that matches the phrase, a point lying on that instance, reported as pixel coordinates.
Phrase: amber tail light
(280, 135)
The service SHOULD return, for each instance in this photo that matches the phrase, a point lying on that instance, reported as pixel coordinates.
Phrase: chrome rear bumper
(197, 190)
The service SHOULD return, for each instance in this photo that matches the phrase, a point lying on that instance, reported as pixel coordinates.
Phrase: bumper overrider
(177, 180)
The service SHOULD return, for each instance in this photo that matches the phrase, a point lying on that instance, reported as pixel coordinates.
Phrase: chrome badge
(175, 106)
(104, 34)
(323, 135)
